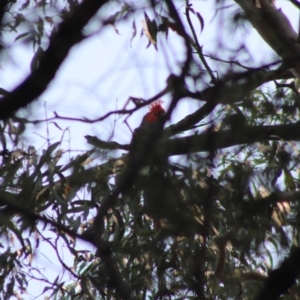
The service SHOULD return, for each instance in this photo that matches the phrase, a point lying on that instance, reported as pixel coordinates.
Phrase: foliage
(229, 205)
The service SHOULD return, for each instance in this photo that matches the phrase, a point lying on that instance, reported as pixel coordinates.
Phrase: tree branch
(196, 42)
(281, 279)
(69, 33)
(296, 3)
(225, 138)
(275, 28)
(228, 138)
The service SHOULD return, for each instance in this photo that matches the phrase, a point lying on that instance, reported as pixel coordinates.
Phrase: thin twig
(198, 47)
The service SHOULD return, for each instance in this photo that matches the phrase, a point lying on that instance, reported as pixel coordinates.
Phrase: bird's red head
(156, 112)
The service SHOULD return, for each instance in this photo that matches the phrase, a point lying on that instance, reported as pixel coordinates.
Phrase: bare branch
(275, 28)
(227, 138)
(93, 140)
(113, 112)
(197, 45)
(296, 3)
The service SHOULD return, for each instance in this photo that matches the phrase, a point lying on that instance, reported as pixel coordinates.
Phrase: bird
(146, 136)
(160, 191)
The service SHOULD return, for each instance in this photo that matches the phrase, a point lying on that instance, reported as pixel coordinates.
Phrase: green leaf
(289, 180)
(53, 147)
(150, 30)
(133, 32)
(35, 62)
(22, 35)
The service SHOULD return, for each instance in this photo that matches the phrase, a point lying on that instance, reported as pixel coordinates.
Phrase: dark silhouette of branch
(285, 75)
(175, 16)
(227, 138)
(282, 197)
(234, 87)
(296, 3)
(69, 33)
(190, 120)
(196, 42)
(93, 140)
(274, 27)
(283, 278)
(3, 6)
